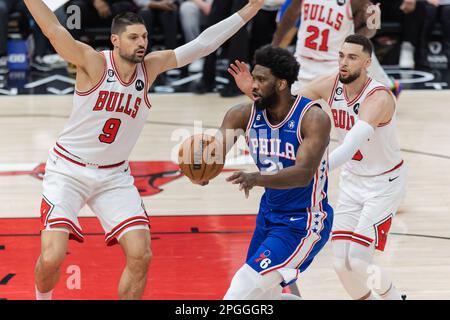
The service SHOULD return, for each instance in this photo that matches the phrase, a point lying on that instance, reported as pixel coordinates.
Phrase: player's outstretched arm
(65, 45)
(291, 15)
(319, 88)
(315, 130)
(207, 42)
(377, 109)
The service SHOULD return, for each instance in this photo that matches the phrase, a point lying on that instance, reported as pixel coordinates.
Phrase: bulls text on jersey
(112, 101)
(342, 119)
(318, 12)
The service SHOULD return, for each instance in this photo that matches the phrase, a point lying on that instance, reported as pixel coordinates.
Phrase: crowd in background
(180, 21)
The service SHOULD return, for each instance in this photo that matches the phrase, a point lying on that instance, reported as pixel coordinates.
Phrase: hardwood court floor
(417, 255)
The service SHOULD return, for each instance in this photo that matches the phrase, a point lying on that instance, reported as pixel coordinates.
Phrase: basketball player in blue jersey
(288, 139)
(373, 176)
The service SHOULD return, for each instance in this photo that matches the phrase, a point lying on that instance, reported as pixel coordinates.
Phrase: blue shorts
(289, 241)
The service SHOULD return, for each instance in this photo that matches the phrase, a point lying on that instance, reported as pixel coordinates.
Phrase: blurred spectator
(99, 13)
(6, 8)
(265, 19)
(42, 46)
(166, 13)
(410, 40)
(435, 11)
(410, 14)
(237, 48)
(193, 15)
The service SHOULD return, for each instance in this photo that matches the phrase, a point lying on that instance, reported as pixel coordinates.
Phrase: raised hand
(242, 76)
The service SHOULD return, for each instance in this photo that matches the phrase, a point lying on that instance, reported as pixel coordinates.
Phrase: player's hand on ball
(246, 181)
(242, 76)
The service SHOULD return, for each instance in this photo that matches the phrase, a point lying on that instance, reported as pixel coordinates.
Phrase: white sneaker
(55, 61)
(196, 66)
(406, 56)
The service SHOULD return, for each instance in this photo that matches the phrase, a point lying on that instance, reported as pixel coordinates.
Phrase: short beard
(131, 58)
(267, 102)
(350, 78)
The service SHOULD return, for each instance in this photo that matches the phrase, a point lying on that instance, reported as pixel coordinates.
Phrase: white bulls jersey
(381, 153)
(107, 120)
(324, 26)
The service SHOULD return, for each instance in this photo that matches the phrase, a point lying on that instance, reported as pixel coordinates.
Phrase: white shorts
(366, 207)
(109, 192)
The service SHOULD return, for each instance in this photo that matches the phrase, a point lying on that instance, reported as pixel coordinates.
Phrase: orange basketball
(199, 157)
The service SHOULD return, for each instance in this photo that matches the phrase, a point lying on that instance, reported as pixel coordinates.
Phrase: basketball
(199, 158)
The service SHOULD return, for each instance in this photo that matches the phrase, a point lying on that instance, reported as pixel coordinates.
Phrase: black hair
(122, 20)
(281, 62)
(361, 40)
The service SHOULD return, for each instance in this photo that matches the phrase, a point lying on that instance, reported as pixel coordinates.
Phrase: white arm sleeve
(357, 135)
(209, 40)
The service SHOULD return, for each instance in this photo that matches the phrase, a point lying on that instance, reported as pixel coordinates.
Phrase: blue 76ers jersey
(274, 148)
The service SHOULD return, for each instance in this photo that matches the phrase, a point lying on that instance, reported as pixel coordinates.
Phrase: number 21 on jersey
(316, 37)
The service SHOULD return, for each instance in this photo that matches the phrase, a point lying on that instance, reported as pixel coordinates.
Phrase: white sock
(391, 294)
(43, 296)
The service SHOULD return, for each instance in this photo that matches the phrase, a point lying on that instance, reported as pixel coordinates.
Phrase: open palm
(242, 76)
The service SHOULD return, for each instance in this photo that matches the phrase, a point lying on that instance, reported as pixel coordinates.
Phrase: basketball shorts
(109, 192)
(366, 207)
(288, 242)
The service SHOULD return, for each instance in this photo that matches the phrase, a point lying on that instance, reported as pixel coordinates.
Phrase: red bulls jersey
(107, 120)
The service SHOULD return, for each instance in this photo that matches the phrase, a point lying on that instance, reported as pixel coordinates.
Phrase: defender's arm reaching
(207, 42)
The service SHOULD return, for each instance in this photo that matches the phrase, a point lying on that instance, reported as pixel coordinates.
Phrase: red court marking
(186, 265)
